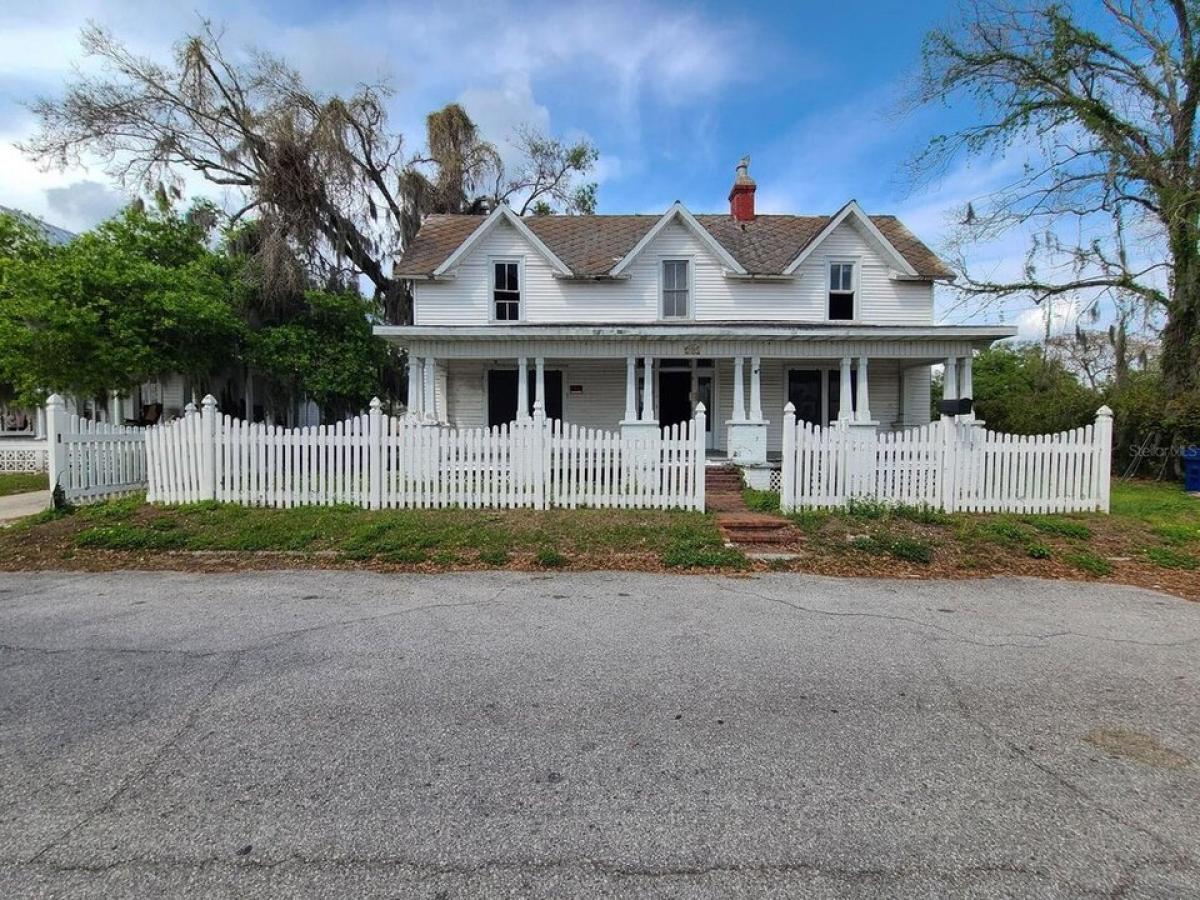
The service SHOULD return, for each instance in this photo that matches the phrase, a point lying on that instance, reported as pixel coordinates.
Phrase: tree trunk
(1181, 336)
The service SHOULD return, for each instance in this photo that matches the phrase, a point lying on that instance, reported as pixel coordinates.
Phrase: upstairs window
(506, 291)
(841, 291)
(674, 288)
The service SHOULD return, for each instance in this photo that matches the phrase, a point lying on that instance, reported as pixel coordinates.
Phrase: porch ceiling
(915, 343)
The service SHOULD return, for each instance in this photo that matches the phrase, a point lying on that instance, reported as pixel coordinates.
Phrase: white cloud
(82, 202)
(499, 111)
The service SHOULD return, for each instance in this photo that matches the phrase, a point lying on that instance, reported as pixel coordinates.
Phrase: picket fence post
(948, 482)
(375, 454)
(208, 448)
(1103, 438)
(787, 474)
(701, 430)
(56, 426)
(537, 465)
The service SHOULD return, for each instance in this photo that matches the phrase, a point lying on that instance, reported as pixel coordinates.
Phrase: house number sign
(691, 349)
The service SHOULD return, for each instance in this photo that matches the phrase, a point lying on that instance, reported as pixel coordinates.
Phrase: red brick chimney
(741, 195)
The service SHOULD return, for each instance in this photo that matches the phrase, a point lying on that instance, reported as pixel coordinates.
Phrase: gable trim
(677, 209)
(503, 211)
(895, 257)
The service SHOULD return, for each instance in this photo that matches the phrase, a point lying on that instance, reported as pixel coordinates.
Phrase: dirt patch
(1138, 747)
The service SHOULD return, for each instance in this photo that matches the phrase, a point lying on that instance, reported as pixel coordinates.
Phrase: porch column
(863, 404)
(414, 385)
(631, 389)
(539, 384)
(523, 387)
(694, 390)
(40, 428)
(755, 389)
(739, 391)
(429, 406)
(950, 379)
(633, 427)
(967, 390)
(648, 389)
(114, 408)
(845, 392)
(746, 438)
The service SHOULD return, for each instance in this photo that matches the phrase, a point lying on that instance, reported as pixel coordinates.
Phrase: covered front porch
(637, 378)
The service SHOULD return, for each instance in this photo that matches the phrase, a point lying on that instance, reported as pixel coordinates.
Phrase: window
(841, 290)
(506, 291)
(674, 288)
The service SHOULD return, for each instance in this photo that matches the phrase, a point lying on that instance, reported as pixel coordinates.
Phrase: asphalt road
(496, 735)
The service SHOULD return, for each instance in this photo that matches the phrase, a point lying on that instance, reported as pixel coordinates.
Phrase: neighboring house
(740, 311)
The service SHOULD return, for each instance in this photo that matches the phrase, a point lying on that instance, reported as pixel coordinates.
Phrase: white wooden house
(629, 321)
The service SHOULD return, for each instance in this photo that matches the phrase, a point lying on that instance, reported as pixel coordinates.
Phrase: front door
(674, 400)
(804, 393)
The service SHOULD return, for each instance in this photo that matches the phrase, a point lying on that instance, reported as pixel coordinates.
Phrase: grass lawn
(129, 532)
(1152, 539)
(22, 482)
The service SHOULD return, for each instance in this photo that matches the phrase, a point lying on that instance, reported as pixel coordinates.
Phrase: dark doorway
(502, 395)
(804, 393)
(674, 402)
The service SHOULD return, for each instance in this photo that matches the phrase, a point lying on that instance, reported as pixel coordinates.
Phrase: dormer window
(675, 289)
(506, 290)
(841, 291)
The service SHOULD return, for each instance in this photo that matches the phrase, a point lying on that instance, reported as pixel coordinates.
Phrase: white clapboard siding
(93, 460)
(950, 465)
(466, 298)
(379, 461)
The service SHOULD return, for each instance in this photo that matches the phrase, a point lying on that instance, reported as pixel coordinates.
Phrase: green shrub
(1167, 558)
(810, 520)
(1060, 526)
(494, 556)
(761, 501)
(695, 552)
(131, 537)
(1006, 531)
(1090, 563)
(866, 509)
(1178, 534)
(1039, 551)
(869, 543)
(407, 555)
(923, 514)
(911, 550)
(550, 558)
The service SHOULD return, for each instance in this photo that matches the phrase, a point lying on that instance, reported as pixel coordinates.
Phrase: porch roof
(705, 339)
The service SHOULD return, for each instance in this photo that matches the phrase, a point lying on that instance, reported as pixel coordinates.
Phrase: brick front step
(750, 529)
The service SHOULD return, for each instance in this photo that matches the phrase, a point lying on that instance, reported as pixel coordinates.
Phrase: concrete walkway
(18, 506)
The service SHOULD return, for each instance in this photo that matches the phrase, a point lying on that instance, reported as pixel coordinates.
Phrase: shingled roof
(591, 245)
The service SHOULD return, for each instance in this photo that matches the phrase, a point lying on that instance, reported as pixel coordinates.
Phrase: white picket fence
(953, 465)
(92, 460)
(378, 461)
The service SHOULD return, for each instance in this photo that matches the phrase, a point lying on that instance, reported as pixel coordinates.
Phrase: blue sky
(671, 93)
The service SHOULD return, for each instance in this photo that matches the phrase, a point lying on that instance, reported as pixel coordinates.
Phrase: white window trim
(856, 263)
(691, 288)
(491, 288)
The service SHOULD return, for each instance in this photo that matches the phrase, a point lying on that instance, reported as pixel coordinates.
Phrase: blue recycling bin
(1191, 468)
